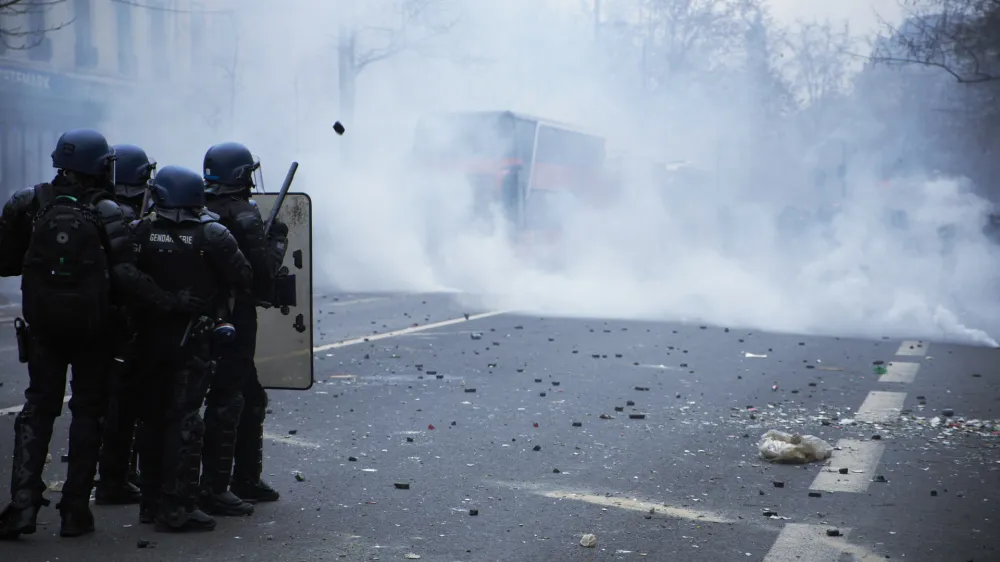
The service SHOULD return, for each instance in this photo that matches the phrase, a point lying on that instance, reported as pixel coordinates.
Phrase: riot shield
(285, 333)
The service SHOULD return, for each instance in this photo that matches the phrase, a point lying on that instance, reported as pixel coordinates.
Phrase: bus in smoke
(529, 170)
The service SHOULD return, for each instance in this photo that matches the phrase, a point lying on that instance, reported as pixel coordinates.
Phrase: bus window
(569, 148)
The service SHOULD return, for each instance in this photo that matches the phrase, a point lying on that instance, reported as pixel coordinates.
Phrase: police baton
(281, 197)
(187, 331)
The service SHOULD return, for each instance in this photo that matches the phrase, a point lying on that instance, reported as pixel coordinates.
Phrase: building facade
(63, 65)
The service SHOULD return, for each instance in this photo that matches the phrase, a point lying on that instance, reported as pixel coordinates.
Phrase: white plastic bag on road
(781, 447)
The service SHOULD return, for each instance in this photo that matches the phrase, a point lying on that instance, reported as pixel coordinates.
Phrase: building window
(40, 45)
(158, 36)
(126, 47)
(83, 26)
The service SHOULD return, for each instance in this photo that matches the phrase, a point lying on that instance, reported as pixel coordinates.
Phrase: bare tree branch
(960, 37)
(414, 17)
(156, 8)
(818, 59)
(33, 36)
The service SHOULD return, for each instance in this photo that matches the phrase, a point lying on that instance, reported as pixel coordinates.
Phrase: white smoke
(701, 252)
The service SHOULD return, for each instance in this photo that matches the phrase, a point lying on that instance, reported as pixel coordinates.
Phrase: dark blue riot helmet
(85, 152)
(229, 169)
(133, 171)
(176, 187)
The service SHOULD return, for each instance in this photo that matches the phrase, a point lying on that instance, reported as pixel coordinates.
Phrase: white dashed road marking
(860, 458)
(900, 371)
(913, 348)
(293, 441)
(637, 505)
(881, 407)
(799, 542)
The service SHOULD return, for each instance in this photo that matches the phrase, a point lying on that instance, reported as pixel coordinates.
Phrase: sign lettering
(30, 79)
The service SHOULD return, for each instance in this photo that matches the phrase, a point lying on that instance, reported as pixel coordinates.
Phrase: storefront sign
(21, 79)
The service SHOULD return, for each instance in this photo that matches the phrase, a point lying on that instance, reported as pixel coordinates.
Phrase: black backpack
(65, 284)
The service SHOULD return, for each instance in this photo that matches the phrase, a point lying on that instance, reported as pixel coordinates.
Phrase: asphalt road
(515, 436)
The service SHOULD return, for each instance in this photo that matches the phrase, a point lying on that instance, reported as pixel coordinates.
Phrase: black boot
(117, 457)
(84, 450)
(77, 519)
(133, 466)
(222, 417)
(254, 492)
(20, 517)
(116, 493)
(150, 446)
(149, 506)
(31, 443)
(224, 504)
(249, 461)
(181, 465)
(176, 517)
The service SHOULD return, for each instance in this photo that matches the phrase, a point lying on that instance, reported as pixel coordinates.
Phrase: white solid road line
(286, 439)
(382, 336)
(16, 409)
(375, 337)
(900, 371)
(913, 347)
(881, 407)
(799, 542)
(405, 331)
(860, 458)
(353, 301)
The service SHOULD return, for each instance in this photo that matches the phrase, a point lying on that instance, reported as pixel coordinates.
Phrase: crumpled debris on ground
(983, 427)
(780, 447)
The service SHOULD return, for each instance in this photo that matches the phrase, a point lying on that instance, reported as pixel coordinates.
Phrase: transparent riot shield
(285, 333)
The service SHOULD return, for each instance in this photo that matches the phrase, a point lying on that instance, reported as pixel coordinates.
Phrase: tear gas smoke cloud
(711, 251)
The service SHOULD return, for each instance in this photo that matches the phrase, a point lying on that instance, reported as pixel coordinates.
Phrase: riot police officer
(182, 248)
(117, 466)
(69, 242)
(133, 172)
(237, 403)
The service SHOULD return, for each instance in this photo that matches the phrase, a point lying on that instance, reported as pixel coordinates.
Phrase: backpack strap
(45, 194)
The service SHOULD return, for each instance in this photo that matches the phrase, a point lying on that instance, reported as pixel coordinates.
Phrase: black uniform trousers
(236, 382)
(47, 370)
(117, 463)
(175, 382)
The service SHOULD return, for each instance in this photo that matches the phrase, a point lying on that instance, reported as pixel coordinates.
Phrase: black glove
(188, 302)
(278, 230)
(277, 245)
